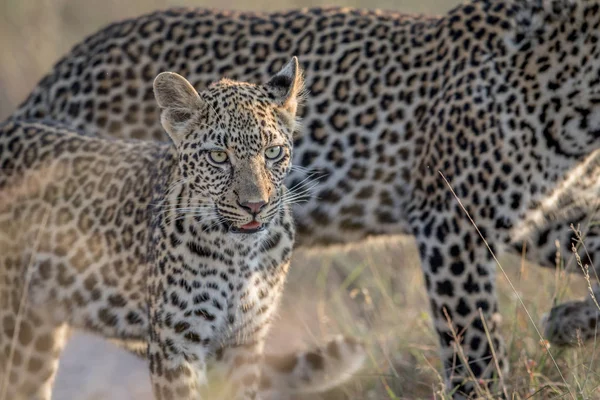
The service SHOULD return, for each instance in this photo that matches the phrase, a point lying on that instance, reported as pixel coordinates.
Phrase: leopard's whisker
(306, 181)
(303, 195)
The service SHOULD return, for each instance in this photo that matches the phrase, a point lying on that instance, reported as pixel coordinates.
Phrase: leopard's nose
(253, 207)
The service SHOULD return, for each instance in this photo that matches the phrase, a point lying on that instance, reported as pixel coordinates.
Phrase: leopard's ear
(179, 102)
(287, 85)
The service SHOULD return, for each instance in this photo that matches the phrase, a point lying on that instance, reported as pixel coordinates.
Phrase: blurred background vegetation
(34, 34)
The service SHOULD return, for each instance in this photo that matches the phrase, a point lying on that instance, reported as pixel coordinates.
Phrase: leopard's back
(364, 89)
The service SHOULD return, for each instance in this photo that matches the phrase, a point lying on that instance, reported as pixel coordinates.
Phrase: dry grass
(373, 291)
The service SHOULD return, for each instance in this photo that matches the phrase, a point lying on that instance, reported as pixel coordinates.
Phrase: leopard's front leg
(194, 348)
(460, 277)
(172, 376)
(178, 373)
(178, 357)
(178, 343)
(238, 368)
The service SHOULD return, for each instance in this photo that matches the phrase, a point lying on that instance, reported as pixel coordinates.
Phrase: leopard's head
(234, 142)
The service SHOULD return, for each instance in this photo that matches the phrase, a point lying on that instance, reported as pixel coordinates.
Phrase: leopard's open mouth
(251, 227)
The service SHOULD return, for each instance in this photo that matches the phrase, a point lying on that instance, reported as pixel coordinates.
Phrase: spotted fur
(499, 96)
(164, 244)
(574, 322)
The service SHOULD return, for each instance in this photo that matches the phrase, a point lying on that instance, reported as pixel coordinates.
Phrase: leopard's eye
(274, 152)
(218, 156)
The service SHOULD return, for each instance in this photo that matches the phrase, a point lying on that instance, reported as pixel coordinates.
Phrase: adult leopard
(182, 246)
(499, 96)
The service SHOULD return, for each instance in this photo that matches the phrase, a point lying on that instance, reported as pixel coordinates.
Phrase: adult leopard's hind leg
(30, 349)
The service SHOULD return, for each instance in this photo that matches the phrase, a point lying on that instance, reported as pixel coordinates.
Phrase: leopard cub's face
(234, 142)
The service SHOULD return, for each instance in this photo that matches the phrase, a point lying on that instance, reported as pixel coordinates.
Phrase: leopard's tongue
(251, 225)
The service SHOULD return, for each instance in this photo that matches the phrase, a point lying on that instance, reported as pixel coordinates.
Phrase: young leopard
(500, 96)
(183, 246)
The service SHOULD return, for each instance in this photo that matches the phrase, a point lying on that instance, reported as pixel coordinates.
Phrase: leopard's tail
(316, 370)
